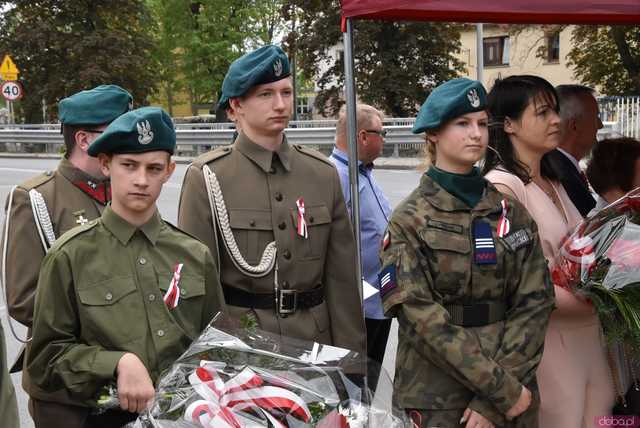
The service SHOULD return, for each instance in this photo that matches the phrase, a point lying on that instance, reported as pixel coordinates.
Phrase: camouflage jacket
(428, 257)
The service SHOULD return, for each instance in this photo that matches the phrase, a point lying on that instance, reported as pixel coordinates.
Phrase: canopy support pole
(479, 53)
(352, 139)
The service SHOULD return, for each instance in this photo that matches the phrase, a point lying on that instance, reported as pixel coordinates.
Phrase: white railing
(623, 113)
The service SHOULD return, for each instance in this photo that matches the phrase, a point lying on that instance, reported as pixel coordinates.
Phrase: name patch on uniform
(455, 228)
(484, 249)
(517, 239)
(387, 279)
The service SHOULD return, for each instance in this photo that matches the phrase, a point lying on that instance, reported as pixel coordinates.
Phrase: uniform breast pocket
(449, 255)
(252, 230)
(188, 313)
(112, 311)
(318, 220)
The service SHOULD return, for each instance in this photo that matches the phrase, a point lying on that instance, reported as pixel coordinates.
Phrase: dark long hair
(508, 98)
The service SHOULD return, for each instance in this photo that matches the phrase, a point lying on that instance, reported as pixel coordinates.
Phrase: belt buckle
(287, 302)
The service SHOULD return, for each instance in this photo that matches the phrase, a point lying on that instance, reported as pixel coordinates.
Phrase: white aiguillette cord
(219, 211)
(4, 266)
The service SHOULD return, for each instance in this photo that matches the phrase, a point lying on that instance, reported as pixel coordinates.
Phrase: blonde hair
(428, 153)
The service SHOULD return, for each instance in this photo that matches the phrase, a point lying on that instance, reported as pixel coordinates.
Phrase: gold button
(183, 292)
(142, 261)
(108, 296)
(160, 333)
(152, 297)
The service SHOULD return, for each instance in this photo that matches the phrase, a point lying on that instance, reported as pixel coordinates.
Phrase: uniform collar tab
(261, 156)
(124, 231)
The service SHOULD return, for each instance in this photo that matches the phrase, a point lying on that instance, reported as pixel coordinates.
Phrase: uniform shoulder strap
(38, 180)
(73, 232)
(313, 154)
(212, 156)
(176, 229)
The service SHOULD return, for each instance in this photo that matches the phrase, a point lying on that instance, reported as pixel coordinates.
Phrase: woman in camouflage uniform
(463, 272)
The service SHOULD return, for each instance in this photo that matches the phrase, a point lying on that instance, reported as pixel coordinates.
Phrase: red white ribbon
(172, 296)
(223, 402)
(503, 223)
(302, 225)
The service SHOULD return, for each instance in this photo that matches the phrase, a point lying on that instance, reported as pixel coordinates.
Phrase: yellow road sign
(8, 69)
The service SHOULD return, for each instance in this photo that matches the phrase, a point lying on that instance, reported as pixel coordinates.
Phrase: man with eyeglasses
(374, 216)
(42, 208)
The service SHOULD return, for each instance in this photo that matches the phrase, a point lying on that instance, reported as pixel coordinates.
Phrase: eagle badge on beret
(277, 68)
(145, 134)
(474, 99)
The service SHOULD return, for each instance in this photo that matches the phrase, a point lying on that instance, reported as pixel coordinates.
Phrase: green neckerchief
(469, 188)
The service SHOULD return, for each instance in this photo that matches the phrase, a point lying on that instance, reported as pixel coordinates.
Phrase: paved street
(396, 185)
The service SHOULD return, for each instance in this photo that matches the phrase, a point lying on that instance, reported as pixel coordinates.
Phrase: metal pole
(479, 53)
(293, 62)
(352, 138)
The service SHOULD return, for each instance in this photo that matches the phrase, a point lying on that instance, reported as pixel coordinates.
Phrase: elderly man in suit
(579, 126)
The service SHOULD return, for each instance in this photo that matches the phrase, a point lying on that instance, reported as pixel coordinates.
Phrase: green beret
(96, 106)
(448, 101)
(145, 129)
(264, 65)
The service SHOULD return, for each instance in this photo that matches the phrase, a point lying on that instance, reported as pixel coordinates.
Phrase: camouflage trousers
(428, 418)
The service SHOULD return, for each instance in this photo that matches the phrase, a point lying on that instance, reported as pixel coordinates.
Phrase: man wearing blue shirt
(374, 213)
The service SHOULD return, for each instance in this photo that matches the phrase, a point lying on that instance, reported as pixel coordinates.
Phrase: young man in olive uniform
(73, 194)
(119, 298)
(275, 215)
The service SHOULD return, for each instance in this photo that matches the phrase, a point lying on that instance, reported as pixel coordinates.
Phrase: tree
(206, 36)
(607, 57)
(397, 63)
(64, 46)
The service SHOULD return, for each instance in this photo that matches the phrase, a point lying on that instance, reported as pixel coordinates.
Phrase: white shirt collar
(573, 160)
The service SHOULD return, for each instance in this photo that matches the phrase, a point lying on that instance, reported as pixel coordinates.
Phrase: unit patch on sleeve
(387, 279)
(518, 239)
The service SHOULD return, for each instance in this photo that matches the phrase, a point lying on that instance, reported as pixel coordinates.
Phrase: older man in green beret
(274, 215)
(121, 297)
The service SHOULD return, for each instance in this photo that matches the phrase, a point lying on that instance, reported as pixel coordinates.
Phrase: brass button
(152, 297)
(311, 219)
(278, 196)
(252, 223)
(282, 226)
(286, 254)
(142, 261)
(285, 284)
(160, 333)
(183, 292)
(108, 296)
(272, 170)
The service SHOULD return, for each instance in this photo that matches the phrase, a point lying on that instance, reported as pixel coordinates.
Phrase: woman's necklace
(547, 187)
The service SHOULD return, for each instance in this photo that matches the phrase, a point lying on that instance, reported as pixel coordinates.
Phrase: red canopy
(498, 11)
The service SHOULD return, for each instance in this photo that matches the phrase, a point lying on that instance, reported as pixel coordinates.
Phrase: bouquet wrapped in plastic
(244, 377)
(600, 261)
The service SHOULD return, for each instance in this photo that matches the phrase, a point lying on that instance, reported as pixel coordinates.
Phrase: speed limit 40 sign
(11, 91)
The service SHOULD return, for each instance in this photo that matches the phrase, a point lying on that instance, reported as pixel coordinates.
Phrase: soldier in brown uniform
(44, 207)
(275, 215)
(463, 272)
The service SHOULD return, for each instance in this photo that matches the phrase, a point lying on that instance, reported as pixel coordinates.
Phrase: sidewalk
(380, 163)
